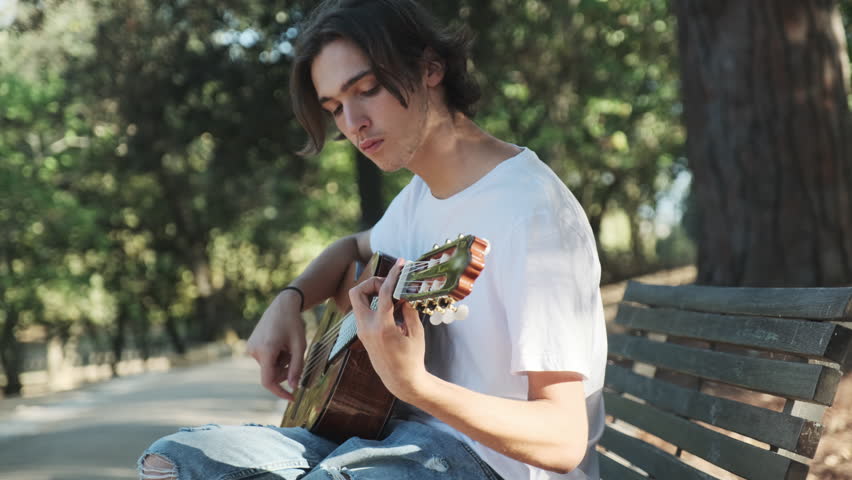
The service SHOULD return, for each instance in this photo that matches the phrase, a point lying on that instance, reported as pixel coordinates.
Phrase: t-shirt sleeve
(551, 292)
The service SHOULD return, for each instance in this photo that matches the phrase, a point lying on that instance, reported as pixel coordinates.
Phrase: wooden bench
(703, 382)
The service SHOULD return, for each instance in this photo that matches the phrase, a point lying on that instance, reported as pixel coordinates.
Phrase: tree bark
(765, 85)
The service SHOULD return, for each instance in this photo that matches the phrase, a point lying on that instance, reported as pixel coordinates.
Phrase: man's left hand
(396, 350)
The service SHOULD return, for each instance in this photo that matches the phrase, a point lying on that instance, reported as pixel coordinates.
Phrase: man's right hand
(278, 344)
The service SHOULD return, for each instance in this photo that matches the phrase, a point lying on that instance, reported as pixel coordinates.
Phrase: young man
(514, 390)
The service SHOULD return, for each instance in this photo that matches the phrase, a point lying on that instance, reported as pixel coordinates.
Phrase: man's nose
(356, 120)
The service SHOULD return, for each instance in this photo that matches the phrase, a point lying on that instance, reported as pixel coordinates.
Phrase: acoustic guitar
(340, 395)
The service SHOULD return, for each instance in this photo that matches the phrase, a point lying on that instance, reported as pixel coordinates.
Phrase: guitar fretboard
(348, 331)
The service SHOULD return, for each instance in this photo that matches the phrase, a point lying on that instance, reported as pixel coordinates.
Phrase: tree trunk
(119, 339)
(140, 327)
(765, 86)
(174, 335)
(370, 191)
(208, 317)
(11, 355)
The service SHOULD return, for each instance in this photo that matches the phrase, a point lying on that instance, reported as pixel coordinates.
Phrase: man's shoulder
(527, 184)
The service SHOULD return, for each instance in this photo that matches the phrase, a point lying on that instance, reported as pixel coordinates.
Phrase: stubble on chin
(409, 146)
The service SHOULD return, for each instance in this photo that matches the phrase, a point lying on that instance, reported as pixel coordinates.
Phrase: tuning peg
(461, 312)
(461, 235)
(436, 318)
(448, 241)
(435, 246)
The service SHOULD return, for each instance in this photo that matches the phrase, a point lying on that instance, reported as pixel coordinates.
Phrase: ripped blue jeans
(412, 451)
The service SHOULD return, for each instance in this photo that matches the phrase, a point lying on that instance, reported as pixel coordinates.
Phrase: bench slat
(728, 453)
(810, 303)
(774, 428)
(649, 458)
(823, 340)
(800, 381)
(612, 470)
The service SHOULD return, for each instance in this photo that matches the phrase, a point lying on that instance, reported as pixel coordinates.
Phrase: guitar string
(329, 338)
(416, 283)
(332, 332)
(319, 352)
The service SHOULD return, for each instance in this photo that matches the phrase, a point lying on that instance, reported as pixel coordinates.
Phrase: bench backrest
(734, 377)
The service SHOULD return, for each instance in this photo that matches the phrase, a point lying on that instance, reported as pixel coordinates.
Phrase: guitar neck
(347, 333)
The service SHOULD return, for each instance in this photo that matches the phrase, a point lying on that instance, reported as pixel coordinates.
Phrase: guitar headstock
(441, 277)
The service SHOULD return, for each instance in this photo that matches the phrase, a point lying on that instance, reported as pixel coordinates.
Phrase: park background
(152, 203)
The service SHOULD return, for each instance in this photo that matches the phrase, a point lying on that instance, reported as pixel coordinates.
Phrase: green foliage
(592, 86)
(149, 185)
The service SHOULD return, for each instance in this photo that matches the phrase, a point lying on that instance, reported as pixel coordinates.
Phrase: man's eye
(373, 91)
(337, 111)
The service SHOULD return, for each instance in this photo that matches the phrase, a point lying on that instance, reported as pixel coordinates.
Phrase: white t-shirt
(535, 307)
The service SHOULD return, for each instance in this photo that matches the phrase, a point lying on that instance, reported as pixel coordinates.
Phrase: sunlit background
(151, 201)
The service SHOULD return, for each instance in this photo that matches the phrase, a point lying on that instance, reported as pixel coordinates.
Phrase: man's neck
(456, 154)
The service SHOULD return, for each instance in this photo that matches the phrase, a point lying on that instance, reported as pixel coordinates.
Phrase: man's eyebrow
(348, 83)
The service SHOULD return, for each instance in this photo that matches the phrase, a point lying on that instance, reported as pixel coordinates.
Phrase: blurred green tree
(155, 141)
(196, 93)
(592, 87)
(45, 230)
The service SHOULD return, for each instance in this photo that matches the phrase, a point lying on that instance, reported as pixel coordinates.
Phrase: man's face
(364, 111)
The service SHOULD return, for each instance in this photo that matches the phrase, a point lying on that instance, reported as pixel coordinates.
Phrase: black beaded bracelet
(301, 295)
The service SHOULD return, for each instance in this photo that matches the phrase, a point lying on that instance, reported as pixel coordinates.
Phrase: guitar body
(343, 397)
(340, 395)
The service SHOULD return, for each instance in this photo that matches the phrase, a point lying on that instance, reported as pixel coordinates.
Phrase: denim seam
(486, 469)
(271, 467)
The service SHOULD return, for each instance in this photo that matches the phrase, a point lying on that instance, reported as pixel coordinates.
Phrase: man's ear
(434, 70)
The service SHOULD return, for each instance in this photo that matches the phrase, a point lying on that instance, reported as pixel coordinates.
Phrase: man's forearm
(545, 433)
(320, 279)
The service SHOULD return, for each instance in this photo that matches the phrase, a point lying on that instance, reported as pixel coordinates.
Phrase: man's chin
(385, 167)
(390, 168)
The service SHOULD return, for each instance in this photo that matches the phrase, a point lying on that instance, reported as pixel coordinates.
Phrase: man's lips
(370, 145)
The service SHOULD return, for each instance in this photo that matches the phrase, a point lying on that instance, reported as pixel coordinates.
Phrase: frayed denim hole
(254, 425)
(339, 473)
(209, 426)
(150, 472)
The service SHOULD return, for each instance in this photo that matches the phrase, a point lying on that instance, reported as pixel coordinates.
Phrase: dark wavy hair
(394, 35)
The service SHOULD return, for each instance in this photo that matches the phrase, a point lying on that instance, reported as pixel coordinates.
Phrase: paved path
(98, 432)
